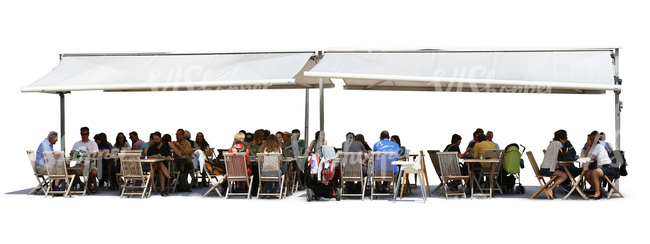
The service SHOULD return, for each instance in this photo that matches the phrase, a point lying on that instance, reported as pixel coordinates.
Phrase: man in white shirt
(91, 148)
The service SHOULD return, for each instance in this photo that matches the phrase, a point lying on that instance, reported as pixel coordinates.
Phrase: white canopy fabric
(171, 72)
(542, 71)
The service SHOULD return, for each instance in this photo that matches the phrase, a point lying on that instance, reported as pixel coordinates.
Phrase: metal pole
(62, 101)
(322, 111)
(617, 102)
(306, 118)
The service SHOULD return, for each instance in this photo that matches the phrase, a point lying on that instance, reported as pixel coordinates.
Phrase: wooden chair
(382, 170)
(118, 175)
(236, 172)
(351, 171)
(540, 178)
(133, 177)
(425, 174)
(436, 166)
(450, 170)
(57, 170)
(215, 180)
(269, 168)
(41, 178)
(612, 180)
(491, 154)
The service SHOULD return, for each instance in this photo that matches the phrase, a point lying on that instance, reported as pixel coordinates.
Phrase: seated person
(481, 145)
(470, 147)
(403, 155)
(489, 136)
(385, 145)
(350, 145)
(549, 166)
(271, 145)
(91, 148)
(600, 168)
(601, 141)
(158, 149)
(455, 147)
(252, 169)
(46, 145)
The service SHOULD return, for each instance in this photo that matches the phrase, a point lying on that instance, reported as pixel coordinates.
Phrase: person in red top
(240, 147)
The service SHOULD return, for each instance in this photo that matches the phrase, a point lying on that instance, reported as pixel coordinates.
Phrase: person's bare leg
(561, 177)
(595, 177)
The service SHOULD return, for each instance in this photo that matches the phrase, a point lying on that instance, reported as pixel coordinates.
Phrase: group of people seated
(596, 149)
(158, 146)
(289, 144)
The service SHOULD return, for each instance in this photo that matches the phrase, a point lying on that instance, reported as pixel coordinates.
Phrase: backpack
(618, 158)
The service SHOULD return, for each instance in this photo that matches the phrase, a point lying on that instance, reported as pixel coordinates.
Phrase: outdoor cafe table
(584, 164)
(405, 164)
(152, 171)
(472, 178)
(81, 166)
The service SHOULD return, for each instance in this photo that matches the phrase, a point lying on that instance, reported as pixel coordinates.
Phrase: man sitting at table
(386, 145)
(481, 145)
(47, 145)
(160, 150)
(350, 145)
(183, 147)
(91, 147)
(135, 139)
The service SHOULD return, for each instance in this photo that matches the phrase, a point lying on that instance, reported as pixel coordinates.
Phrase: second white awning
(536, 71)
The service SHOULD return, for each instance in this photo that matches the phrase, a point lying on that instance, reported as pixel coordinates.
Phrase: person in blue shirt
(601, 141)
(47, 145)
(385, 145)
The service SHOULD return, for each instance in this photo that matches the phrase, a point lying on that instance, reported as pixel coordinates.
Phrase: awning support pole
(306, 118)
(322, 111)
(62, 101)
(617, 101)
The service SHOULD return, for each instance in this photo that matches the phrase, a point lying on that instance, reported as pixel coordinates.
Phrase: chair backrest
(382, 164)
(32, 159)
(269, 164)
(55, 164)
(433, 154)
(131, 166)
(236, 165)
(533, 163)
(423, 164)
(449, 164)
(351, 164)
(494, 154)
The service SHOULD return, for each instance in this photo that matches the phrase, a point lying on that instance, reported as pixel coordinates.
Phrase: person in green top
(301, 143)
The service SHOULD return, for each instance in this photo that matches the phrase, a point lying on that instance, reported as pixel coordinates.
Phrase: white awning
(527, 71)
(171, 72)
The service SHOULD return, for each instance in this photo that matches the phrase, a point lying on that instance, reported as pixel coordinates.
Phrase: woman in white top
(597, 152)
(549, 164)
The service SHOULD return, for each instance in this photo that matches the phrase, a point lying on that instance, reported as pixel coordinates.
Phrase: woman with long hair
(271, 145)
(549, 165)
(362, 139)
(203, 144)
(601, 166)
(258, 138)
(402, 149)
(103, 145)
(314, 146)
(121, 142)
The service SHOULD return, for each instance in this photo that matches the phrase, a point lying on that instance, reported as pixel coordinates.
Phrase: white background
(33, 34)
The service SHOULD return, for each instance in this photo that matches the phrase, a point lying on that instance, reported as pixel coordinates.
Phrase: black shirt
(164, 150)
(452, 148)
